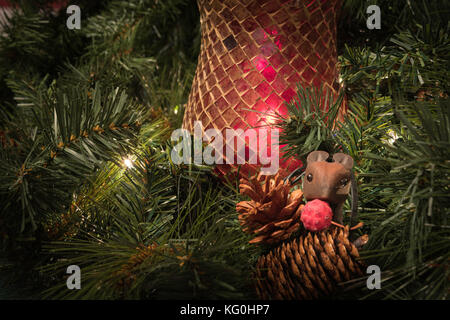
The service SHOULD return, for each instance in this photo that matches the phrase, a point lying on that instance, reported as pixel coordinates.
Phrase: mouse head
(327, 181)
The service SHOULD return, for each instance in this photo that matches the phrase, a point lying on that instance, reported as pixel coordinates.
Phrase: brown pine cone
(308, 267)
(273, 214)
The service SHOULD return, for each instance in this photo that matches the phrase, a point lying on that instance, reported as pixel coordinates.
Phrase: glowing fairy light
(393, 136)
(128, 163)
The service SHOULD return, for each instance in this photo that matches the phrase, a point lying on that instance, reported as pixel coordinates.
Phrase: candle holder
(253, 54)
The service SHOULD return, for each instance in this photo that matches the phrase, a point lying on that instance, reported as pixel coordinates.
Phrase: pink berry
(316, 215)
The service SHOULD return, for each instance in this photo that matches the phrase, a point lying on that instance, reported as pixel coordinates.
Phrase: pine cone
(273, 214)
(309, 267)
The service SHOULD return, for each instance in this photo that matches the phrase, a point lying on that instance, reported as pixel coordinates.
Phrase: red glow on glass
(260, 63)
(276, 60)
(274, 101)
(268, 49)
(263, 89)
(261, 106)
(259, 35)
(279, 85)
(278, 42)
(272, 30)
(269, 73)
(283, 110)
(288, 94)
(245, 66)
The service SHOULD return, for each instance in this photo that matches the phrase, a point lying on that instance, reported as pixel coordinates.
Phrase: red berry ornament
(316, 215)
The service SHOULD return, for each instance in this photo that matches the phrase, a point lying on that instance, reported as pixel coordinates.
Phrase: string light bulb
(128, 163)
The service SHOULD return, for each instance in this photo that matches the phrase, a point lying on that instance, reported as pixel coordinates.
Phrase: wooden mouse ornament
(328, 181)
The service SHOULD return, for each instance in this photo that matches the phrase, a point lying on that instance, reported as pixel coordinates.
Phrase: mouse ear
(317, 156)
(344, 159)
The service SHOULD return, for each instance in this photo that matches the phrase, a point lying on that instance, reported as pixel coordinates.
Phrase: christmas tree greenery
(87, 177)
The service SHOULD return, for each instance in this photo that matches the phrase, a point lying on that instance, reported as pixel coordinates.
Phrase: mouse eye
(344, 182)
(309, 177)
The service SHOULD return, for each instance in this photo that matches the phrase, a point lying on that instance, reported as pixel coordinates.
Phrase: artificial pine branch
(311, 122)
(151, 211)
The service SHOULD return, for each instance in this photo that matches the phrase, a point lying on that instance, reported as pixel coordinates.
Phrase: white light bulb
(128, 163)
(392, 136)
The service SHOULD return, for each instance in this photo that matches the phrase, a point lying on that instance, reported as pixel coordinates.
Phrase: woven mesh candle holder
(253, 54)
